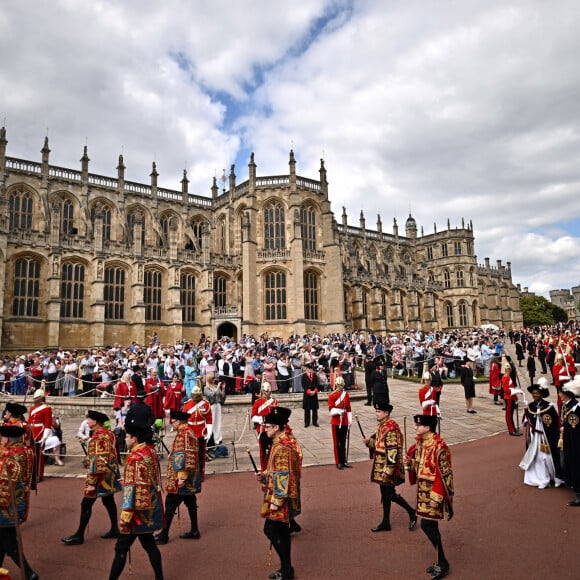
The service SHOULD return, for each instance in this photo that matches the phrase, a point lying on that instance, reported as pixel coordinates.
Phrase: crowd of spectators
(239, 366)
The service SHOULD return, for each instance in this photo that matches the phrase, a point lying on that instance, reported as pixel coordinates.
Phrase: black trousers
(307, 417)
(339, 435)
(279, 534)
(172, 502)
(431, 530)
(200, 463)
(122, 547)
(389, 495)
(9, 546)
(87, 510)
(265, 445)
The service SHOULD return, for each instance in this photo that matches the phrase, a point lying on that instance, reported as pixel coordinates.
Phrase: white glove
(349, 415)
(46, 434)
(209, 431)
(257, 419)
(428, 403)
(335, 411)
(516, 392)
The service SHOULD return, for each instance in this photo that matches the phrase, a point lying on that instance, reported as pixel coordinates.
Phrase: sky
(447, 109)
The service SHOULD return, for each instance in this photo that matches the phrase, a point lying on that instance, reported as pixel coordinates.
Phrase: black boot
(194, 533)
(162, 537)
(111, 507)
(79, 536)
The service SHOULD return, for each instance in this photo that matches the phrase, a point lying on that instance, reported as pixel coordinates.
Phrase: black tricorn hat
(97, 416)
(15, 409)
(12, 431)
(179, 416)
(426, 420)
(384, 406)
(278, 416)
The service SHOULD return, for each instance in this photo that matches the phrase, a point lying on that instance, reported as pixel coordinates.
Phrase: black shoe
(347, 465)
(382, 528)
(575, 502)
(294, 527)
(281, 576)
(110, 534)
(33, 576)
(340, 466)
(190, 535)
(306, 426)
(439, 571)
(274, 575)
(413, 521)
(431, 568)
(73, 540)
(316, 425)
(161, 538)
(368, 404)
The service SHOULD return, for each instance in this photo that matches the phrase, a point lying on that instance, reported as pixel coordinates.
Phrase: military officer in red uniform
(142, 507)
(40, 421)
(260, 409)
(182, 467)
(103, 477)
(201, 423)
(282, 490)
(16, 463)
(429, 464)
(386, 447)
(510, 394)
(428, 394)
(340, 421)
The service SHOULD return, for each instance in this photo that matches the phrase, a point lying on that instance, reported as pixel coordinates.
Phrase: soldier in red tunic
(386, 447)
(40, 421)
(282, 490)
(429, 465)
(16, 463)
(260, 409)
(340, 421)
(103, 477)
(428, 394)
(510, 394)
(182, 467)
(155, 390)
(201, 423)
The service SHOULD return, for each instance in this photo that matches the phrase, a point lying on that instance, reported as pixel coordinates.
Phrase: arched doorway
(227, 329)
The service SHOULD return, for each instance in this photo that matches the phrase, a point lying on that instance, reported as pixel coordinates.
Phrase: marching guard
(103, 477)
(282, 490)
(340, 421)
(182, 466)
(429, 465)
(142, 508)
(16, 464)
(386, 447)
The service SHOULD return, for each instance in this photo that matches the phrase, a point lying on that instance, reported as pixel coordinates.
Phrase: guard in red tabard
(570, 362)
(260, 409)
(201, 423)
(510, 394)
(428, 394)
(340, 421)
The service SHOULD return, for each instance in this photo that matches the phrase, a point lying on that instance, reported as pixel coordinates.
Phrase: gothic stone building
(92, 260)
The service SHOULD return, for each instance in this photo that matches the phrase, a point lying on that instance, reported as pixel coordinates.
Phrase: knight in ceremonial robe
(182, 467)
(541, 424)
(103, 477)
(282, 490)
(386, 448)
(570, 436)
(429, 465)
(16, 464)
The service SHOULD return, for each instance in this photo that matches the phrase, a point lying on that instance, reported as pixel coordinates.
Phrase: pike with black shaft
(252, 460)
(360, 427)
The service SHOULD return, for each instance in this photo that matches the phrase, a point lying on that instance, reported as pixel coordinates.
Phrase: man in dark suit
(379, 384)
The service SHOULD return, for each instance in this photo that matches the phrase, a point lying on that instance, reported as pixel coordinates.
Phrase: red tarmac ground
(501, 529)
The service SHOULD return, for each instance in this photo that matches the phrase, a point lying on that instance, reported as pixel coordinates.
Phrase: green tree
(537, 311)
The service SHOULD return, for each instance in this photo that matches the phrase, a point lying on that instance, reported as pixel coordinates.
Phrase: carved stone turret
(185, 187)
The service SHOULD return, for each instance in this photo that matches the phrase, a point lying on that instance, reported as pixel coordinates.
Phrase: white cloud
(452, 109)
